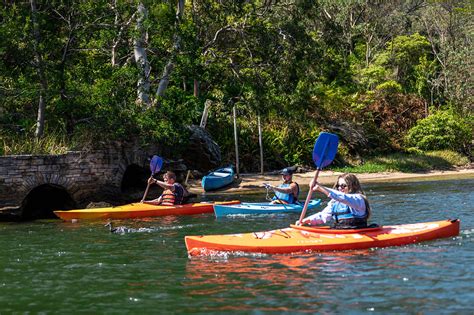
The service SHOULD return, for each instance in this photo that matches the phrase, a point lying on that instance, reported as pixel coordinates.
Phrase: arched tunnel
(134, 181)
(41, 201)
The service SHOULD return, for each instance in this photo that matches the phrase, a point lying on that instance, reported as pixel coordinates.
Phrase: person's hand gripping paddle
(155, 166)
(324, 151)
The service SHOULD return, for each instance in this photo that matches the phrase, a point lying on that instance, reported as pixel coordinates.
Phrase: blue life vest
(286, 198)
(343, 216)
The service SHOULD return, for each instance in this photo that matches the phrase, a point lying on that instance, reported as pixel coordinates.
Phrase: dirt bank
(252, 182)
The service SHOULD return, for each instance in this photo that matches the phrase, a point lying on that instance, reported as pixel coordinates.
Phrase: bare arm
(163, 185)
(286, 190)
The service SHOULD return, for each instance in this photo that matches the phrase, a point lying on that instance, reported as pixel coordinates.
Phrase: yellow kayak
(140, 210)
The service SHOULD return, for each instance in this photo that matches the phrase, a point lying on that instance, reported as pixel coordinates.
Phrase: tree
(38, 60)
(143, 84)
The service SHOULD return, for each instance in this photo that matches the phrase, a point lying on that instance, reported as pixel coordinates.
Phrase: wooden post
(260, 144)
(196, 88)
(205, 113)
(236, 144)
(187, 177)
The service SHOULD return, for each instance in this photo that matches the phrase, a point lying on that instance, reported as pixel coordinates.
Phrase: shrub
(442, 130)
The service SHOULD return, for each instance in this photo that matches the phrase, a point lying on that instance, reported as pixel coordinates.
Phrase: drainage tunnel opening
(41, 201)
(134, 179)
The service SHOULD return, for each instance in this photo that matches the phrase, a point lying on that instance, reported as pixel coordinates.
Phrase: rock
(203, 153)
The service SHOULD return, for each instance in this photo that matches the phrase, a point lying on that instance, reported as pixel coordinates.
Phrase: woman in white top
(348, 207)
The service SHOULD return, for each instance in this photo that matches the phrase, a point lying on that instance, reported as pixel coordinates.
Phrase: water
(51, 266)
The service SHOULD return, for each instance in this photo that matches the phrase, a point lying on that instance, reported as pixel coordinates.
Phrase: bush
(439, 131)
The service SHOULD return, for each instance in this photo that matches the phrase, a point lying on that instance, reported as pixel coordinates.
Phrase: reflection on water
(52, 266)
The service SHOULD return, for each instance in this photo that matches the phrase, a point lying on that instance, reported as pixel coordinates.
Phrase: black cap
(286, 171)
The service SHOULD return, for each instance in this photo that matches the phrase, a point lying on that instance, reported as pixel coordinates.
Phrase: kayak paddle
(267, 187)
(155, 166)
(324, 151)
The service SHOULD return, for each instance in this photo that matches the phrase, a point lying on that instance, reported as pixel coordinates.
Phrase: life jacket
(169, 198)
(345, 219)
(286, 198)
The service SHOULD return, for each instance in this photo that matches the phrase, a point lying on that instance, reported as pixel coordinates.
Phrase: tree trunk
(139, 50)
(40, 70)
(196, 88)
(165, 77)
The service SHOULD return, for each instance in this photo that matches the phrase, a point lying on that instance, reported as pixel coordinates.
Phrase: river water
(57, 267)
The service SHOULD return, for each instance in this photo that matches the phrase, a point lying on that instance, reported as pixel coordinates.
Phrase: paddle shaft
(155, 166)
(308, 198)
(281, 202)
(146, 192)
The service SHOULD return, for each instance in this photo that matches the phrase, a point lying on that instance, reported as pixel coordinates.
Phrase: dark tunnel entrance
(41, 201)
(134, 179)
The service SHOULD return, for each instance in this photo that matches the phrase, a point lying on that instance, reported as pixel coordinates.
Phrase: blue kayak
(262, 208)
(218, 178)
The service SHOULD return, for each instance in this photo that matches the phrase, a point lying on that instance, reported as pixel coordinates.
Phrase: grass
(408, 162)
(51, 144)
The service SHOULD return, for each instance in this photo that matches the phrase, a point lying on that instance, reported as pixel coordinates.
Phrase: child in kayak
(348, 207)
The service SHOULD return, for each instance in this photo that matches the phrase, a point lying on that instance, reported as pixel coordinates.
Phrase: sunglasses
(341, 186)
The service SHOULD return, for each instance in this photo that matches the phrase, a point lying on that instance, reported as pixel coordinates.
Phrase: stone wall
(83, 175)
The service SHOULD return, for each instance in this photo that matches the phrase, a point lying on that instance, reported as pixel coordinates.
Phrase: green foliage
(441, 130)
(406, 60)
(389, 87)
(408, 162)
(302, 69)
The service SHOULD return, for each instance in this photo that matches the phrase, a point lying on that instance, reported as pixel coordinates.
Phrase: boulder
(203, 153)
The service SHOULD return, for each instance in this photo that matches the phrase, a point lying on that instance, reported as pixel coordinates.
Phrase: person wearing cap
(288, 191)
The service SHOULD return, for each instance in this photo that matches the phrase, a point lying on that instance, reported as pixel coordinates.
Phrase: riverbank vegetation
(392, 78)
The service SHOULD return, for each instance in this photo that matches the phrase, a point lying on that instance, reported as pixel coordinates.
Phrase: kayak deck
(261, 208)
(139, 210)
(303, 239)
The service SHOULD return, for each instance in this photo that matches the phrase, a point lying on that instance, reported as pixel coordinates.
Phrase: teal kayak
(262, 208)
(218, 178)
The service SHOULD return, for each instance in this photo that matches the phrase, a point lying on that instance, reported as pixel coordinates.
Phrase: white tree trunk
(40, 69)
(139, 50)
(165, 76)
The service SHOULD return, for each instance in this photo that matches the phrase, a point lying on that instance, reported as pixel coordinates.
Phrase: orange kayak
(140, 210)
(306, 239)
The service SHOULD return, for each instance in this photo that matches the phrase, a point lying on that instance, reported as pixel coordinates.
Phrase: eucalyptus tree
(141, 59)
(39, 65)
(449, 27)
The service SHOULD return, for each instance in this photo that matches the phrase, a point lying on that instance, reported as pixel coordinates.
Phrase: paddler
(173, 192)
(348, 207)
(288, 191)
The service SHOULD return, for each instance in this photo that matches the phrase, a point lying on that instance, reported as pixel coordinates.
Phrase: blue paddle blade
(155, 164)
(325, 149)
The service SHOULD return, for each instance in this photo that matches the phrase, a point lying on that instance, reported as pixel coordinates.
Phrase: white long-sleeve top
(355, 202)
